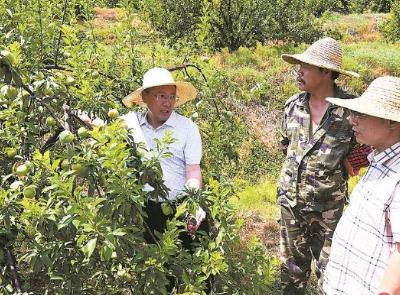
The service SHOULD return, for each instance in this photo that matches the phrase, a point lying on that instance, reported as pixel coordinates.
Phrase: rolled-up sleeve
(193, 146)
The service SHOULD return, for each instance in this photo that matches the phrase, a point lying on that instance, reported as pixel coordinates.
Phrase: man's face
(309, 78)
(370, 130)
(160, 101)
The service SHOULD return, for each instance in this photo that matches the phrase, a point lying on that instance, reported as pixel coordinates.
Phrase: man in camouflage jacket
(316, 137)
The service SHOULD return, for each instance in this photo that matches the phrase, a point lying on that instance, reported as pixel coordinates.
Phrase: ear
(145, 97)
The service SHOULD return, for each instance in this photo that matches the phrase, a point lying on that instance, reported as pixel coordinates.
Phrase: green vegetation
(71, 206)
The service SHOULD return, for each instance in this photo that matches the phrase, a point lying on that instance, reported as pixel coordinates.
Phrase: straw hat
(324, 53)
(185, 91)
(381, 99)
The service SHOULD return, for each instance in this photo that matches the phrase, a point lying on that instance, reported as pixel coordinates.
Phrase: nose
(353, 120)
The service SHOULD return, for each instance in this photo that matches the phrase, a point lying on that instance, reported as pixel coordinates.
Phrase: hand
(193, 223)
(350, 169)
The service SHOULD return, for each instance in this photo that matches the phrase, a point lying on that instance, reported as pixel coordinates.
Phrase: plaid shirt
(366, 234)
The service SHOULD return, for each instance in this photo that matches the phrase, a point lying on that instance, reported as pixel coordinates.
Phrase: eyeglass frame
(355, 114)
(165, 97)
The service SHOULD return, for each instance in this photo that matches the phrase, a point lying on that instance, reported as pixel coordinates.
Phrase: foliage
(360, 6)
(71, 205)
(176, 18)
(391, 29)
(231, 23)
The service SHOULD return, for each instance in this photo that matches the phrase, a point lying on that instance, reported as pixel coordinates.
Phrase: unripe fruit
(8, 56)
(79, 169)
(113, 113)
(64, 164)
(12, 92)
(69, 80)
(11, 152)
(30, 191)
(95, 74)
(166, 209)
(83, 132)
(22, 170)
(50, 122)
(9, 91)
(66, 137)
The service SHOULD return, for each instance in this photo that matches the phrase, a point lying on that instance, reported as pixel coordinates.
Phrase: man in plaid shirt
(365, 252)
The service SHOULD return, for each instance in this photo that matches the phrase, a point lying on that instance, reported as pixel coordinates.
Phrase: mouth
(300, 81)
(165, 112)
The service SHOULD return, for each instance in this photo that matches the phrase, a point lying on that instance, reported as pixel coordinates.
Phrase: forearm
(193, 176)
(391, 279)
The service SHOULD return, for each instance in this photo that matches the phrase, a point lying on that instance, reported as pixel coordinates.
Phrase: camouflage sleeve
(283, 134)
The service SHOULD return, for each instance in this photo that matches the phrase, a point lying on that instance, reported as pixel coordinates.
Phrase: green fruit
(83, 132)
(66, 136)
(64, 164)
(9, 91)
(79, 169)
(166, 209)
(30, 191)
(113, 113)
(22, 170)
(50, 122)
(95, 74)
(8, 56)
(12, 92)
(69, 80)
(11, 152)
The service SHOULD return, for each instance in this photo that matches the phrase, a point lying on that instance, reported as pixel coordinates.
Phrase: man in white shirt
(161, 94)
(365, 253)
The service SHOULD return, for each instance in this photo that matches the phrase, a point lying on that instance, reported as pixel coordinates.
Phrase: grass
(259, 199)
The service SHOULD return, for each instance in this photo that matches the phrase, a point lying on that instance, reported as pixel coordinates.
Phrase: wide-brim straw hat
(381, 99)
(324, 53)
(185, 91)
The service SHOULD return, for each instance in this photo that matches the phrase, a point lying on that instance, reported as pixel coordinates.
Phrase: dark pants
(157, 221)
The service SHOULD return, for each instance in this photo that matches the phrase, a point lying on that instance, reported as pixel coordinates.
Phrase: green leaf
(65, 221)
(106, 253)
(119, 232)
(88, 249)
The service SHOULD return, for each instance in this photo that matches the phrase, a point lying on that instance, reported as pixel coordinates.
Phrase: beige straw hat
(185, 91)
(324, 53)
(381, 99)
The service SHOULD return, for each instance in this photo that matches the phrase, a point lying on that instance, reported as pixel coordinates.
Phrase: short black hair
(334, 74)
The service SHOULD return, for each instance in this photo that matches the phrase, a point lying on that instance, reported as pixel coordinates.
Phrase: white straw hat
(381, 99)
(185, 91)
(324, 53)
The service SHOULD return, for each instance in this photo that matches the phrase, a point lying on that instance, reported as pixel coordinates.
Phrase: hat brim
(185, 92)
(368, 105)
(303, 58)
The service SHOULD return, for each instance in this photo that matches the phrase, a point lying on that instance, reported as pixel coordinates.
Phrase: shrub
(391, 28)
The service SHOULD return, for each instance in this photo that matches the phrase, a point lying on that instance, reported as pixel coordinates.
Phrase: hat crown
(386, 89)
(156, 77)
(327, 50)
(381, 99)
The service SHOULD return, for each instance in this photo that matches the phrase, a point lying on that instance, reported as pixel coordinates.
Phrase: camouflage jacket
(313, 175)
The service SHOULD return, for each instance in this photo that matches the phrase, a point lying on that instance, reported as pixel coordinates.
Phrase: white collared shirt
(186, 150)
(368, 230)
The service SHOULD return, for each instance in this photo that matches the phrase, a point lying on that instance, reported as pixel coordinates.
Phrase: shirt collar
(172, 120)
(337, 92)
(384, 157)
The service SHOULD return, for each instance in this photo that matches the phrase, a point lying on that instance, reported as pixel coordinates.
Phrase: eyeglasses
(354, 114)
(165, 97)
